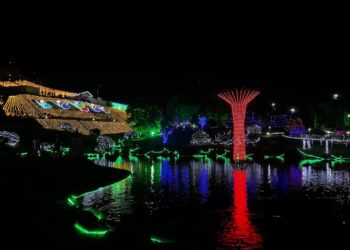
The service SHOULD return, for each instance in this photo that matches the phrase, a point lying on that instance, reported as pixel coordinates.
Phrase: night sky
(289, 56)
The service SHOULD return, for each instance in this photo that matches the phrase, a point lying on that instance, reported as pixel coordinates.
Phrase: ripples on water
(223, 206)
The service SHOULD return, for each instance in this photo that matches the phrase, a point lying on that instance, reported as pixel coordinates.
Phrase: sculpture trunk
(238, 114)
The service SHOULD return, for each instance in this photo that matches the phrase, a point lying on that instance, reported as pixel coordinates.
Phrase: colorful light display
(81, 106)
(109, 121)
(238, 99)
(43, 104)
(62, 104)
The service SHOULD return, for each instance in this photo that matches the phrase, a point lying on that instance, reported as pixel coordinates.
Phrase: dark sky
(286, 54)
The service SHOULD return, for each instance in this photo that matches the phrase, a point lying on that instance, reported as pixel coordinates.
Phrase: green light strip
(93, 156)
(165, 150)
(81, 229)
(71, 201)
(160, 241)
(132, 150)
(309, 162)
(98, 215)
(133, 158)
(24, 154)
(310, 155)
(225, 159)
(249, 157)
(99, 189)
(119, 106)
(279, 157)
(206, 152)
(224, 153)
(340, 158)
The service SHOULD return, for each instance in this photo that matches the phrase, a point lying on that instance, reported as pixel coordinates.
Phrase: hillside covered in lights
(62, 110)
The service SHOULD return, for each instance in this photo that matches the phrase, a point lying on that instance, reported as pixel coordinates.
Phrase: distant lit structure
(238, 99)
(65, 111)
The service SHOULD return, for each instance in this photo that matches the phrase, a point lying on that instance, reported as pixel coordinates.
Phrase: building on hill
(62, 110)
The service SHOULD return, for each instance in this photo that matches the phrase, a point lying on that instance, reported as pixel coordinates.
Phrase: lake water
(216, 205)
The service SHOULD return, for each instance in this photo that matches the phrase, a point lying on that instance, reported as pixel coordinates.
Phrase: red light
(238, 100)
(239, 232)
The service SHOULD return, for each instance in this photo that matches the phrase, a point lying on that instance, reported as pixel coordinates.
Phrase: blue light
(165, 134)
(202, 120)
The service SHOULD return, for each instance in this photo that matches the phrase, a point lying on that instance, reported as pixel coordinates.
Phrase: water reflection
(213, 198)
(238, 230)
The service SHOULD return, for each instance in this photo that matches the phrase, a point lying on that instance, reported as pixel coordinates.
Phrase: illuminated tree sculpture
(238, 100)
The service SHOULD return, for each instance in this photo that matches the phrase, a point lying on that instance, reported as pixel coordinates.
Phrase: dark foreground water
(214, 205)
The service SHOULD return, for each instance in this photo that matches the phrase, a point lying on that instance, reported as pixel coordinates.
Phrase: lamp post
(97, 92)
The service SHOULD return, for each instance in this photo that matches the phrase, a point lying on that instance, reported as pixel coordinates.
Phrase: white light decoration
(308, 143)
(224, 138)
(47, 147)
(252, 140)
(105, 144)
(327, 148)
(10, 139)
(132, 135)
(200, 138)
(254, 130)
(304, 144)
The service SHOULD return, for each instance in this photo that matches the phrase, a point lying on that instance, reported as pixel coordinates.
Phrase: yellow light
(45, 91)
(82, 122)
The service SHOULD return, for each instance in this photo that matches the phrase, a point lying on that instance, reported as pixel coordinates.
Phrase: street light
(309, 129)
(273, 104)
(97, 92)
(348, 116)
(292, 110)
(335, 96)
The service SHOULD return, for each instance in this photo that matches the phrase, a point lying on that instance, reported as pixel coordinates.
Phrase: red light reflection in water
(239, 232)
